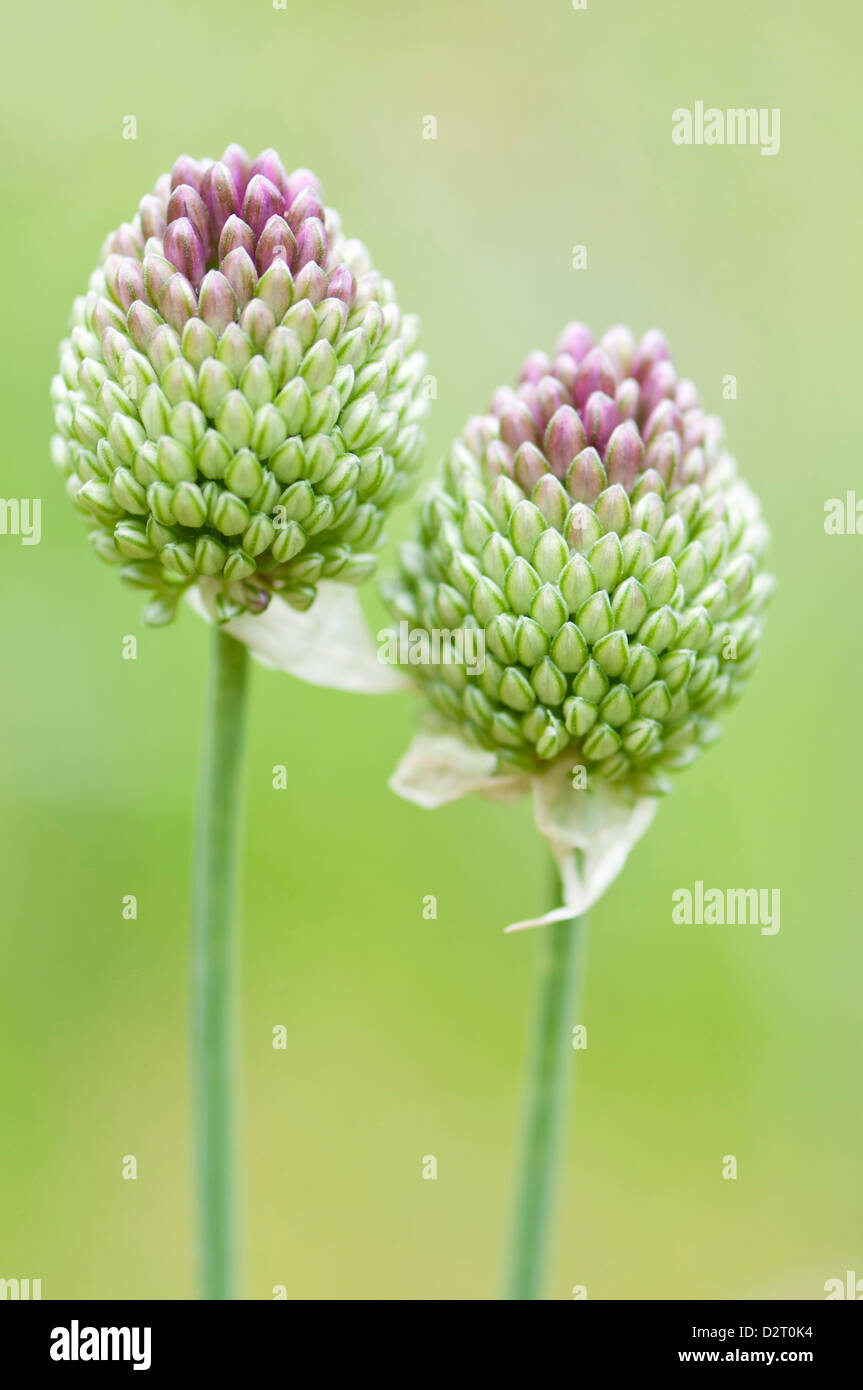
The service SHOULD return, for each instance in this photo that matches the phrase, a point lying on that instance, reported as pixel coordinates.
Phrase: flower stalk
(559, 985)
(215, 959)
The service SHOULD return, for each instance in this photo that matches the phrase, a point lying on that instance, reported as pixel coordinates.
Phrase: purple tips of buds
(276, 242)
(663, 454)
(298, 181)
(219, 193)
(536, 365)
(187, 170)
(658, 384)
(152, 214)
(686, 396)
(184, 249)
(619, 343)
(551, 395)
(596, 373)
(237, 161)
(342, 286)
(575, 341)
(628, 398)
(186, 201)
(124, 280)
(306, 204)
(624, 455)
(262, 200)
(600, 416)
(311, 243)
(653, 348)
(236, 235)
(530, 466)
(564, 438)
(666, 416)
(272, 169)
(517, 426)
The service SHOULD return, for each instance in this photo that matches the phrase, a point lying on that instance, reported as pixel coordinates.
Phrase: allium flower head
(239, 398)
(594, 527)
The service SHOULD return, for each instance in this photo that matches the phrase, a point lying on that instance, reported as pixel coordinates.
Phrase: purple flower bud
(692, 469)
(310, 283)
(686, 396)
(342, 286)
(624, 455)
(619, 343)
(306, 204)
(652, 348)
(126, 242)
(503, 399)
(187, 170)
(565, 370)
(183, 248)
(262, 199)
(628, 398)
(517, 426)
(658, 384)
(272, 168)
(220, 196)
(596, 373)
(564, 438)
(694, 422)
(575, 341)
(663, 454)
(276, 242)
(124, 280)
(552, 395)
(311, 243)
(666, 416)
(601, 416)
(530, 466)
(529, 396)
(239, 164)
(143, 322)
(299, 180)
(152, 214)
(536, 366)
(157, 273)
(499, 459)
(236, 235)
(186, 201)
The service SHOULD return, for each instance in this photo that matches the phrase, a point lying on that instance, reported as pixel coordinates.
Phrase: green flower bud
(531, 641)
(205, 358)
(617, 551)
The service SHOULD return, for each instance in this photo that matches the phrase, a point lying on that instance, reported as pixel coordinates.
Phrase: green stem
(214, 949)
(561, 948)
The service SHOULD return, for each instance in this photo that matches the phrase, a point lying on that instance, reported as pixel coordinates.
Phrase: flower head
(594, 528)
(239, 399)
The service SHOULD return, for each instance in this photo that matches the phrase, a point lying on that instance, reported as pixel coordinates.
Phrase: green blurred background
(406, 1037)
